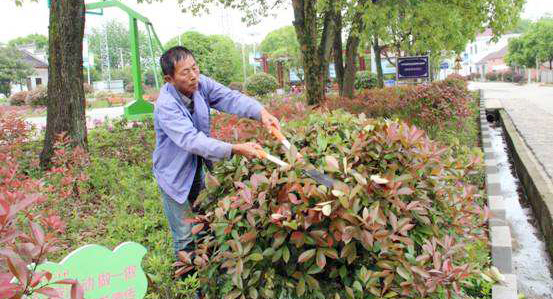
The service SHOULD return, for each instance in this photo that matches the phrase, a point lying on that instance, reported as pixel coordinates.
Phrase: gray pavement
(531, 109)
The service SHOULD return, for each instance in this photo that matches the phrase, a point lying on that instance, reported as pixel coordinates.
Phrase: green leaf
(321, 259)
(285, 254)
(292, 224)
(357, 286)
(256, 257)
(306, 255)
(233, 295)
(268, 252)
(253, 293)
(300, 287)
(312, 282)
(314, 269)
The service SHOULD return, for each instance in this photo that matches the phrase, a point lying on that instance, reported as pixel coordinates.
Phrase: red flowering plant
(27, 235)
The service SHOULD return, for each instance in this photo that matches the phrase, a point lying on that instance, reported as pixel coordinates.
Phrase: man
(181, 121)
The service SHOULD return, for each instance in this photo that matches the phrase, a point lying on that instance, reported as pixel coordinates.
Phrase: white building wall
(480, 48)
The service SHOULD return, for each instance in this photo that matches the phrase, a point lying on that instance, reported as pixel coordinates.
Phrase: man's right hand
(250, 150)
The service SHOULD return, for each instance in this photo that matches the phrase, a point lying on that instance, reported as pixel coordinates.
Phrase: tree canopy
(12, 68)
(216, 55)
(118, 39)
(535, 44)
(283, 43)
(38, 40)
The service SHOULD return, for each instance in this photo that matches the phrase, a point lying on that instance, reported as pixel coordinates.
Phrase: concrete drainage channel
(517, 250)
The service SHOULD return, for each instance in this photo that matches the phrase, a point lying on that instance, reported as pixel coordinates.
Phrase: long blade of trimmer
(320, 178)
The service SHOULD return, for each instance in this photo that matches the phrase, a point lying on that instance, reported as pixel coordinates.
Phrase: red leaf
(48, 291)
(37, 276)
(197, 228)
(247, 237)
(37, 232)
(8, 290)
(405, 191)
(19, 269)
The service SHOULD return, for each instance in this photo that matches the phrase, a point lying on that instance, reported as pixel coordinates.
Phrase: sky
(168, 21)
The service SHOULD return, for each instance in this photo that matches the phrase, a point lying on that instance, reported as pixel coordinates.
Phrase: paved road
(92, 117)
(531, 109)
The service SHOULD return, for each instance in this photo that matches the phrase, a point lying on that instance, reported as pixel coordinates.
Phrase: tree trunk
(313, 55)
(351, 66)
(338, 57)
(378, 61)
(352, 45)
(66, 100)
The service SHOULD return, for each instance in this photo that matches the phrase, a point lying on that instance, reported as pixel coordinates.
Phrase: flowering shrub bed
(396, 223)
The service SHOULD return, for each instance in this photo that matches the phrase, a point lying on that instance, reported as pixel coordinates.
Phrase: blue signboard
(444, 65)
(412, 67)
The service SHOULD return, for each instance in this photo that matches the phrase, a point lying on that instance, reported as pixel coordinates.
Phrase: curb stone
(500, 233)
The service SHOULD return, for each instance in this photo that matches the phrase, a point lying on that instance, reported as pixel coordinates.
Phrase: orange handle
(262, 154)
(278, 135)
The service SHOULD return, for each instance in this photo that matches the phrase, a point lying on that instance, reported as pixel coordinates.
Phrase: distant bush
(365, 80)
(519, 78)
(260, 84)
(130, 87)
(37, 97)
(456, 80)
(18, 98)
(236, 86)
(491, 76)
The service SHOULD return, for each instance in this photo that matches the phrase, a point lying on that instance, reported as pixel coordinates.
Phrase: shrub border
(500, 233)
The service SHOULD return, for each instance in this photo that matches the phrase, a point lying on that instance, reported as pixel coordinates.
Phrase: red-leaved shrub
(27, 234)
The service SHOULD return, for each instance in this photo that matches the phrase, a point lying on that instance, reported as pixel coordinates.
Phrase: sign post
(412, 67)
(102, 273)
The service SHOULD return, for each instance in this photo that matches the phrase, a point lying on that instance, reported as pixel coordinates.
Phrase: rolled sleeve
(182, 132)
(224, 99)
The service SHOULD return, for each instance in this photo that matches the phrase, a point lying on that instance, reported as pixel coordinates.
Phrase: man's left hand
(269, 121)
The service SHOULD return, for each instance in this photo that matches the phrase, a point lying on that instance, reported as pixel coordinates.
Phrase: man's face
(186, 76)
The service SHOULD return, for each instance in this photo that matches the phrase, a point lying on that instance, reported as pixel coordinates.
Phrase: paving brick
(501, 248)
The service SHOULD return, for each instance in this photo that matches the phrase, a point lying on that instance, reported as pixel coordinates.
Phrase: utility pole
(122, 62)
(244, 62)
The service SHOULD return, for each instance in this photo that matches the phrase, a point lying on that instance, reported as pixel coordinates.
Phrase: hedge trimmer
(316, 175)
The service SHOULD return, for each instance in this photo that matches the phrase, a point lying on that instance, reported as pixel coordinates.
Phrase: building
(481, 47)
(37, 60)
(494, 62)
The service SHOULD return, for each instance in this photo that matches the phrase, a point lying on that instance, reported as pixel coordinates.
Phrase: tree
(38, 40)
(283, 43)
(12, 68)
(313, 25)
(117, 36)
(534, 45)
(403, 28)
(412, 26)
(217, 55)
(66, 98)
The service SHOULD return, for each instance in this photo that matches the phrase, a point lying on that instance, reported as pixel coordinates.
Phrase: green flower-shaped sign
(103, 274)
